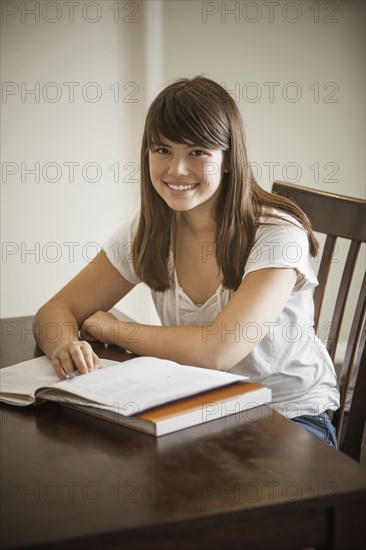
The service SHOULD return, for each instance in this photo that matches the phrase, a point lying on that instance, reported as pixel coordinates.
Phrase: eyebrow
(160, 143)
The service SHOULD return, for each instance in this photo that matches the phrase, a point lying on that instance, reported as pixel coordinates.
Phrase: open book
(145, 393)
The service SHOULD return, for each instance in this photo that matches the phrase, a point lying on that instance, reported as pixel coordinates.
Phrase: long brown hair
(202, 112)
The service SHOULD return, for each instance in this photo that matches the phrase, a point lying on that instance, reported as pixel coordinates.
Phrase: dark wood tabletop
(253, 480)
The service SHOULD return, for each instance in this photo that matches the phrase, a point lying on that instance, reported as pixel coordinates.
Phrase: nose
(177, 166)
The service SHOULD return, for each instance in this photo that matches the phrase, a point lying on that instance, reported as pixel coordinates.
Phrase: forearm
(53, 326)
(199, 346)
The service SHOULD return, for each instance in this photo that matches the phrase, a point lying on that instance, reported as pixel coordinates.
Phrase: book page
(19, 383)
(24, 378)
(140, 383)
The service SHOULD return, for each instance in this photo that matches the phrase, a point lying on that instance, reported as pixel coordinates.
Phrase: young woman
(227, 263)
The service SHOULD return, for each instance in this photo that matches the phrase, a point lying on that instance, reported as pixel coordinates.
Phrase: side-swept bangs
(188, 114)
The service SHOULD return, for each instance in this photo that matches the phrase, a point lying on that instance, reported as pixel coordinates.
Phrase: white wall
(98, 128)
(317, 140)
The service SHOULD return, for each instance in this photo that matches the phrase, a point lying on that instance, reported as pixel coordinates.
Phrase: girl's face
(185, 176)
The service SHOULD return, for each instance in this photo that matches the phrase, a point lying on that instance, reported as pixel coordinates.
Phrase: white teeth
(180, 187)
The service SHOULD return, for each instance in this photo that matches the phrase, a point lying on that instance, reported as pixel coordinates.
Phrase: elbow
(222, 363)
(222, 354)
(42, 311)
(219, 358)
(35, 322)
(218, 352)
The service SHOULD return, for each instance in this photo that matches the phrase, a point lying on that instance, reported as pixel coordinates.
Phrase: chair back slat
(344, 217)
(357, 414)
(342, 296)
(350, 368)
(324, 269)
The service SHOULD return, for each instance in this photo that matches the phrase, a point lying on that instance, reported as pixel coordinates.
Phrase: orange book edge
(195, 402)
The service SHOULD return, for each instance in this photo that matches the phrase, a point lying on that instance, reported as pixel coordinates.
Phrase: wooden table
(252, 481)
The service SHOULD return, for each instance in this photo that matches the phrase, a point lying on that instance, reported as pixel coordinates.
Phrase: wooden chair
(345, 217)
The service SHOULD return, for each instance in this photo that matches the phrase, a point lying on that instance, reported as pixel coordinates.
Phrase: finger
(56, 363)
(88, 355)
(97, 361)
(66, 363)
(79, 360)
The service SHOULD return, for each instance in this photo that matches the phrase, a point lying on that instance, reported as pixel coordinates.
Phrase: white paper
(23, 379)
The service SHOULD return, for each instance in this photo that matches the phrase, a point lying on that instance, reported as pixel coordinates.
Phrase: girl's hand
(101, 326)
(74, 356)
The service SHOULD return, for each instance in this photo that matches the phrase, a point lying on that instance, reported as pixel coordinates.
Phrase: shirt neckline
(185, 295)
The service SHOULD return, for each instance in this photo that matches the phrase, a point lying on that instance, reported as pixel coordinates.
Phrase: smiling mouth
(181, 187)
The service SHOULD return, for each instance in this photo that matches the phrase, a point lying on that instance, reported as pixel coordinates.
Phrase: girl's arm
(220, 345)
(56, 325)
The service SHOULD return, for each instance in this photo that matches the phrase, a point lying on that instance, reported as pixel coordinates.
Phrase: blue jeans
(319, 425)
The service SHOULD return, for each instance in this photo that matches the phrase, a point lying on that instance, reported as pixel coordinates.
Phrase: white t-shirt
(289, 359)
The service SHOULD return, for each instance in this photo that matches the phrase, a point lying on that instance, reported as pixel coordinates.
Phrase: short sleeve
(282, 244)
(118, 248)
